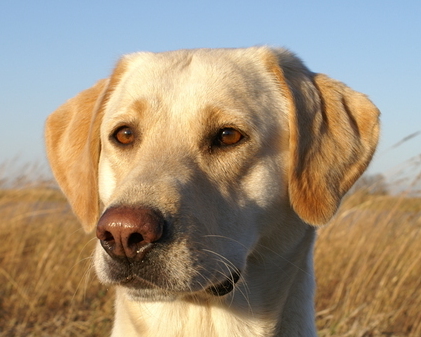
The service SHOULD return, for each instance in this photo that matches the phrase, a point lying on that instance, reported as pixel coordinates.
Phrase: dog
(205, 174)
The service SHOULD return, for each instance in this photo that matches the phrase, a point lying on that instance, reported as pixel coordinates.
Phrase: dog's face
(206, 153)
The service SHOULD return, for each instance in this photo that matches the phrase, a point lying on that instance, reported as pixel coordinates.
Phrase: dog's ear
(331, 145)
(73, 146)
(333, 135)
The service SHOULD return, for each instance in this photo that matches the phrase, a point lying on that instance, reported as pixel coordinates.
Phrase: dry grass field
(368, 265)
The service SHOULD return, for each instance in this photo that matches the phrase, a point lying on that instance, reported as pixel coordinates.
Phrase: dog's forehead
(194, 65)
(198, 78)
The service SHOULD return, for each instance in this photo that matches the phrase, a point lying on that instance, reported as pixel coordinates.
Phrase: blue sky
(51, 50)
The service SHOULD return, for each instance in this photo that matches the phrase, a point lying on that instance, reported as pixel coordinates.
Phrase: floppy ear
(73, 146)
(332, 142)
(333, 135)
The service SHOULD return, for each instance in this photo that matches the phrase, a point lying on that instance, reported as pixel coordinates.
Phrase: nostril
(108, 236)
(134, 239)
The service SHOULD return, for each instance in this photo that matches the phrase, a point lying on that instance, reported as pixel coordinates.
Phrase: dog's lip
(225, 287)
(217, 289)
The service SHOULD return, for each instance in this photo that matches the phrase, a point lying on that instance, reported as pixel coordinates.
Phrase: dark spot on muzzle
(225, 287)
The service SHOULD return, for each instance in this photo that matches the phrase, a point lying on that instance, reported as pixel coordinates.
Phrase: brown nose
(127, 232)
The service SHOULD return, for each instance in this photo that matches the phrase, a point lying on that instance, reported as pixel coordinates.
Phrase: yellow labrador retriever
(203, 173)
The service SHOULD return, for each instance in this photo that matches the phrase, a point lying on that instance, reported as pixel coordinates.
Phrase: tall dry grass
(368, 266)
(46, 284)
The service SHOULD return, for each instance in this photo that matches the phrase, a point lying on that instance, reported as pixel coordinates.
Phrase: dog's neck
(283, 308)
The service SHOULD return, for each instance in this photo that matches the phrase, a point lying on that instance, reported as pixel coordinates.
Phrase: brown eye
(124, 135)
(229, 136)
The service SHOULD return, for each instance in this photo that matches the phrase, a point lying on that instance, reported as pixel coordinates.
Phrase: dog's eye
(124, 135)
(229, 136)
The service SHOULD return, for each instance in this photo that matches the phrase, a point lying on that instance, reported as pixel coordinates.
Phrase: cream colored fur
(248, 207)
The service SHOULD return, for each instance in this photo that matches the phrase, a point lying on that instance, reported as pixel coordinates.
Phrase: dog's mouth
(225, 287)
(219, 289)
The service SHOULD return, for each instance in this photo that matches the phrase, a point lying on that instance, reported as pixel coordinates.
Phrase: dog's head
(183, 161)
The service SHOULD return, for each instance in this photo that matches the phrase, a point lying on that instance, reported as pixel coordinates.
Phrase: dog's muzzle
(127, 234)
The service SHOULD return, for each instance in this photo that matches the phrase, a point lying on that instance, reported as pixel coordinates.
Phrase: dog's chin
(151, 295)
(140, 290)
